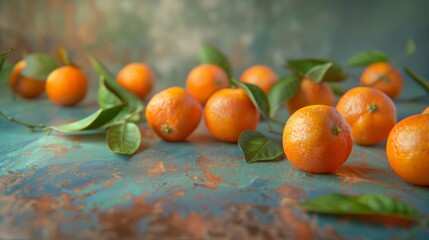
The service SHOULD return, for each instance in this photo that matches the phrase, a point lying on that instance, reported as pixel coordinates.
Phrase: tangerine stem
(372, 108)
(336, 130)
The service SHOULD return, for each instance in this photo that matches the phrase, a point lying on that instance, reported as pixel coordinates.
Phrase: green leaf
(257, 148)
(420, 80)
(132, 101)
(359, 205)
(411, 47)
(5, 72)
(3, 57)
(93, 121)
(106, 98)
(366, 58)
(39, 66)
(124, 138)
(337, 89)
(318, 72)
(300, 67)
(211, 55)
(257, 96)
(285, 89)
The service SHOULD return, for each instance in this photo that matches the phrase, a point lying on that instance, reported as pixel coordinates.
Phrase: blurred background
(166, 34)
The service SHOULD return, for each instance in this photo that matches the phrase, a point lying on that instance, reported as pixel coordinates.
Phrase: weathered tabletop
(69, 187)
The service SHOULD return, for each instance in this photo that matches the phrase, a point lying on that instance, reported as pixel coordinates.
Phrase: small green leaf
(285, 89)
(411, 47)
(39, 66)
(211, 55)
(3, 57)
(132, 101)
(420, 80)
(124, 138)
(106, 98)
(256, 147)
(300, 67)
(336, 88)
(93, 121)
(318, 72)
(366, 58)
(359, 205)
(257, 96)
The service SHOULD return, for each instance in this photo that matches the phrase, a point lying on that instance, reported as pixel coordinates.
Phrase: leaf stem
(30, 126)
(279, 122)
(418, 79)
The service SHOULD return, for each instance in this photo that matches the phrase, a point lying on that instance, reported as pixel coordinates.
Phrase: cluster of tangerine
(317, 137)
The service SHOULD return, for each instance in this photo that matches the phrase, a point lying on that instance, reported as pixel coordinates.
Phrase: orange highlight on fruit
(384, 77)
(66, 86)
(407, 149)
(228, 112)
(311, 93)
(173, 114)
(261, 76)
(317, 139)
(137, 78)
(23, 86)
(370, 113)
(204, 80)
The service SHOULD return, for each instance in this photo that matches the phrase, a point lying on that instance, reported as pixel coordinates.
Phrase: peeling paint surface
(61, 186)
(72, 187)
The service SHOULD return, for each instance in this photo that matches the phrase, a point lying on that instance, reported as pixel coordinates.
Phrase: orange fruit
(204, 80)
(426, 111)
(66, 85)
(261, 76)
(173, 114)
(137, 78)
(311, 93)
(383, 77)
(317, 139)
(23, 86)
(370, 113)
(408, 149)
(228, 112)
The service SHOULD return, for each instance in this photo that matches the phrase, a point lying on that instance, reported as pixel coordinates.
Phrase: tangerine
(384, 77)
(173, 114)
(228, 112)
(370, 113)
(426, 111)
(317, 139)
(137, 78)
(311, 93)
(407, 149)
(25, 87)
(262, 76)
(67, 85)
(204, 80)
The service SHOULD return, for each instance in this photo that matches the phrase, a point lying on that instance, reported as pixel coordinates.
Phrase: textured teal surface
(73, 187)
(69, 187)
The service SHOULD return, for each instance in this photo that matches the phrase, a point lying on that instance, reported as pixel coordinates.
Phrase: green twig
(30, 126)
(418, 79)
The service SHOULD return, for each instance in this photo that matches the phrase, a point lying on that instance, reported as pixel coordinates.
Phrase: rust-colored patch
(290, 195)
(360, 172)
(123, 222)
(210, 180)
(56, 149)
(159, 168)
(108, 183)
